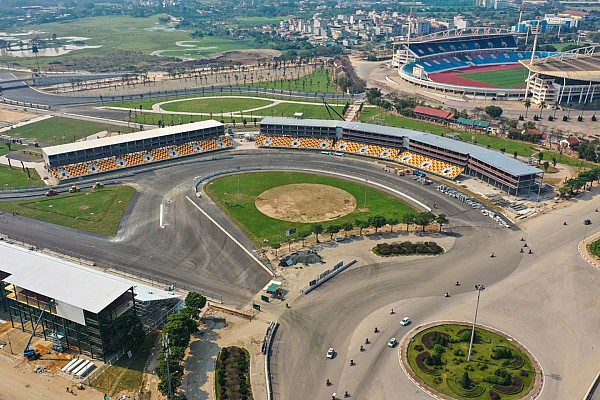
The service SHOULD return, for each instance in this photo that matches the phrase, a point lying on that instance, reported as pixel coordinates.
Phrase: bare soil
(9, 117)
(305, 203)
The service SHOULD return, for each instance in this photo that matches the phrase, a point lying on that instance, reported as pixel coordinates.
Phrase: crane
(31, 353)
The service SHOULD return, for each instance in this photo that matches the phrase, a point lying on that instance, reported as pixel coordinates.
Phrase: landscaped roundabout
(436, 356)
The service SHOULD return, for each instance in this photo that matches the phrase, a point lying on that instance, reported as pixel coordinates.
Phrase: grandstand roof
(585, 68)
(491, 157)
(433, 112)
(453, 34)
(95, 143)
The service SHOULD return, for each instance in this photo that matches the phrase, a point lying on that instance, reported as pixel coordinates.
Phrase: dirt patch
(8, 117)
(305, 203)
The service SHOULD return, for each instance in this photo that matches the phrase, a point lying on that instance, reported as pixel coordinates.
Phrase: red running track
(453, 78)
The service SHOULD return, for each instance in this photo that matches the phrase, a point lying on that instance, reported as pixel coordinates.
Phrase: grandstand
(75, 160)
(431, 153)
(419, 60)
(565, 78)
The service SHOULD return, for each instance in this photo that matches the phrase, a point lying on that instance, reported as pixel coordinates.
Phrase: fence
(326, 275)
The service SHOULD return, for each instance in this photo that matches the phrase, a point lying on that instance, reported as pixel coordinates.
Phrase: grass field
(505, 78)
(13, 147)
(446, 377)
(595, 248)
(370, 114)
(17, 178)
(319, 81)
(310, 111)
(497, 143)
(215, 105)
(570, 161)
(125, 33)
(97, 212)
(257, 226)
(127, 373)
(58, 130)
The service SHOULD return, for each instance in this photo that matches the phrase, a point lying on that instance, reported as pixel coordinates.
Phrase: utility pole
(479, 288)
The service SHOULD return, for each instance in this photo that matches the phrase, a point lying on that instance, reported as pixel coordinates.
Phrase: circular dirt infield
(305, 202)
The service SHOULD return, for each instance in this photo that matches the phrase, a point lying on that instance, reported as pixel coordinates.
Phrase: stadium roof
(491, 157)
(66, 282)
(107, 141)
(453, 34)
(569, 66)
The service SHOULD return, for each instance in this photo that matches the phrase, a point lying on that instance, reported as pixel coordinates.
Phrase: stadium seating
(138, 158)
(293, 142)
(429, 164)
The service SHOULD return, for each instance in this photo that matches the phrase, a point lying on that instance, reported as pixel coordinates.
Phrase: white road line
(252, 256)
(161, 216)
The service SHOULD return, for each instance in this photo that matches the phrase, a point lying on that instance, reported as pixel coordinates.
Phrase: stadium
(473, 63)
(426, 152)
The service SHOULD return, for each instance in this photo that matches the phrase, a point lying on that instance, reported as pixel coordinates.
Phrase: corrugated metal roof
(60, 280)
(91, 144)
(491, 157)
(433, 112)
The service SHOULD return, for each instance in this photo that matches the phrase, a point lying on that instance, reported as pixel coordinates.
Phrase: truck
(420, 173)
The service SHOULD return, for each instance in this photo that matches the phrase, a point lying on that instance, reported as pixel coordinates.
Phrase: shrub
(500, 353)
(465, 381)
(458, 352)
(420, 359)
(494, 395)
(433, 359)
(418, 347)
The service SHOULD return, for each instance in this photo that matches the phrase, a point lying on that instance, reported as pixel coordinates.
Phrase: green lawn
(371, 114)
(58, 130)
(207, 46)
(566, 160)
(257, 226)
(13, 147)
(127, 373)
(497, 143)
(595, 248)
(319, 81)
(310, 111)
(215, 105)
(97, 211)
(446, 378)
(505, 78)
(17, 178)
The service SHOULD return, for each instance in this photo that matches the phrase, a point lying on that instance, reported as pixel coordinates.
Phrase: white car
(405, 321)
(392, 342)
(330, 352)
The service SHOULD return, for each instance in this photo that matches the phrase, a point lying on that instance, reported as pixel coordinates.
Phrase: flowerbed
(516, 387)
(424, 367)
(428, 341)
(476, 391)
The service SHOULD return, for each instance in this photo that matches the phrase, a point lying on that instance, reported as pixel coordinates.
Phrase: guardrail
(590, 393)
(326, 275)
(267, 344)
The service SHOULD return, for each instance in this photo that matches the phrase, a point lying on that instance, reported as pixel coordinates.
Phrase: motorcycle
(447, 294)
(376, 330)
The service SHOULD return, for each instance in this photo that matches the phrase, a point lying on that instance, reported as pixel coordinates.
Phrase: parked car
(587, 222)
(51, 192)
(405, 321)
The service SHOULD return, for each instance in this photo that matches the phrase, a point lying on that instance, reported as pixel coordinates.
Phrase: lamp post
(479, 288)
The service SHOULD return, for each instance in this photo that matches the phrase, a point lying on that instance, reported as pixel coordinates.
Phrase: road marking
(161, 216)
(231, 237)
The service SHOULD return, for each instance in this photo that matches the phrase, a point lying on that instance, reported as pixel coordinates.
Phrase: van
(326, 152)
(340, 239)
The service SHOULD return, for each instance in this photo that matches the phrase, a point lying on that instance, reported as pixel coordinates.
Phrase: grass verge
(17, 178)
(451, 344)
(594, 248)
(127, 373)
(242, 210)
(98, 211)
(59, 130)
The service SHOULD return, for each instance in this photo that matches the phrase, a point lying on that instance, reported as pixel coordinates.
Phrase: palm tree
(35, 50)
(527, 104)
(542, 105)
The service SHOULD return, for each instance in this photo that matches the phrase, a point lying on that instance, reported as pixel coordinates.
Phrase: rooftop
(65, 282)
(112, 140)
(433, 112)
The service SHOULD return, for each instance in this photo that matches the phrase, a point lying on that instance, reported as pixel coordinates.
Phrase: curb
(582, 249)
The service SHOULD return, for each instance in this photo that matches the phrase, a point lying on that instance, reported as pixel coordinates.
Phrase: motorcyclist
(457, 283)
(492, 255)
(328, 383)
(530, 252)
(362, 348)
(521, 249)
(447, 294)
(346, 394)
(376, 330)
(392, 311)
(564, 223)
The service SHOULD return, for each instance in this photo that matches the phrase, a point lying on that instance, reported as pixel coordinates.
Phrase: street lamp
(479, 288)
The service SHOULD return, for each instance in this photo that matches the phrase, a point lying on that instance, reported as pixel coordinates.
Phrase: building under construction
(84, 302)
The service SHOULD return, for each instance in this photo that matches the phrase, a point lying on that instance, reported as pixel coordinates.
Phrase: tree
(302, 235)
(527, 104)
(408, 219)
(361, 224)
(441, 220)
(554, 161)
(424, 218)
(317, 229)
(391, 222)
(377, 222)
(546, 165)
(540, 156)
(127, 332)
(494, 111)
(465, 381)
(332, 229)
(195, 302)
(542, 105)
(35, 50)
(347, 227)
